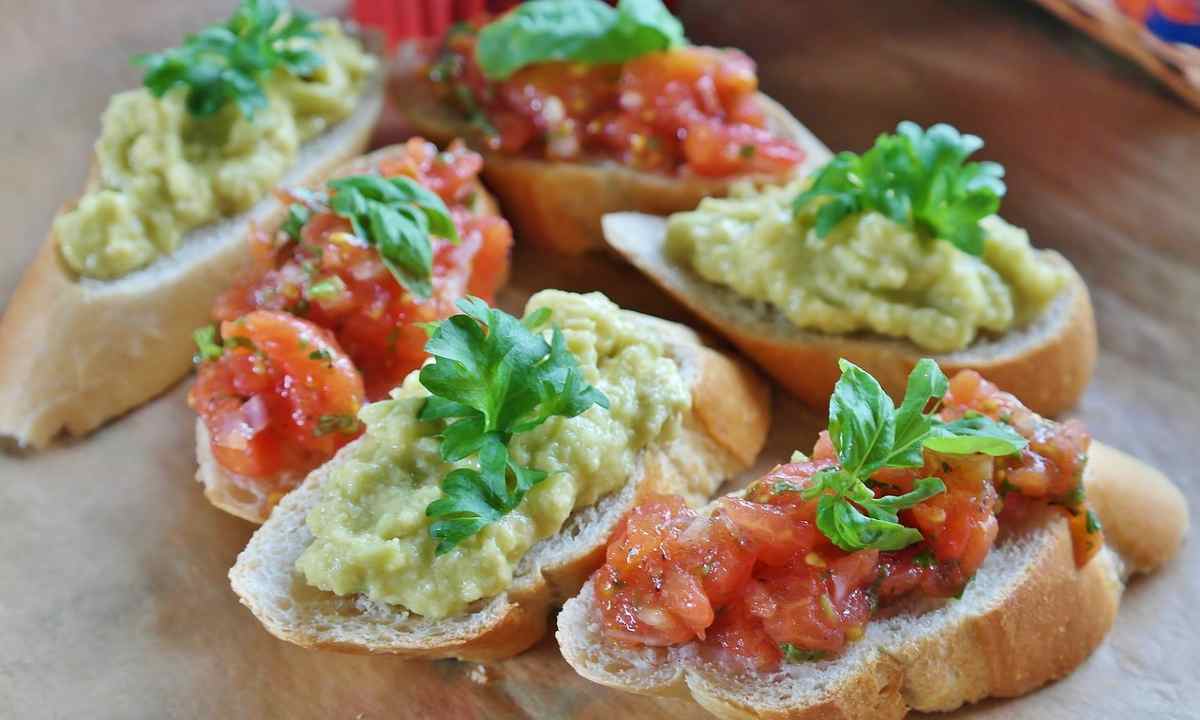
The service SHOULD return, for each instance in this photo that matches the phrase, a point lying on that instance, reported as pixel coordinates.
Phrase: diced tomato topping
(755, 582)
(282, 397)
(694, 109)
(332, 280)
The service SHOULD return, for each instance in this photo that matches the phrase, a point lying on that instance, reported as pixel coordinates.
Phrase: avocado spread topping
(902, 241)
(372, 527)
(171, 159)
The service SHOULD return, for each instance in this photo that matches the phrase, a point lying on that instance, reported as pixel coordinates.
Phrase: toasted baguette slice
(249, 498)
(557, 205)
(76, 352)
(1028, 617)
(720, 436)
(1047, 363)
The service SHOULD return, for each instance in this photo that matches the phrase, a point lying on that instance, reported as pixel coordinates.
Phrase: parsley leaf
(918, 178)
(580, 30)
(870, 433)
(226, 62)
(493, 376)
(396, 215)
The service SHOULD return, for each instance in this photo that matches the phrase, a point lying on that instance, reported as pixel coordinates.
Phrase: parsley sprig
(870, 433)
(918, 178)
(396, 215)
(494, 377)
(226, 62)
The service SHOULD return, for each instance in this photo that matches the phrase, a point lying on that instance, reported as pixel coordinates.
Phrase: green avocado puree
(370, 533)
(868, 274)
(163, 171)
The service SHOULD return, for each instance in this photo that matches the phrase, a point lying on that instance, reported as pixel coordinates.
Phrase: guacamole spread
(370, 532)
(163, 171)
(868, 274)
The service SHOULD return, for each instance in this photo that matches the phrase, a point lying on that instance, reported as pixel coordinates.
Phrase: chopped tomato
(755, 581)
(282, 397)
(337, 282)
(694, 109)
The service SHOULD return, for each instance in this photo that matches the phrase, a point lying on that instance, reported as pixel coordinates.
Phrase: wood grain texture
(113, 598)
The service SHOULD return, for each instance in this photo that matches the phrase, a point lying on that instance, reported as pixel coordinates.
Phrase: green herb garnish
(495, 377)
(1092, 522)
(870, 433)
(226, 62)
(918, 178)
(327, 288)
(326, 424)
(794, 654)
(297, 216)
(396, 215)
(588, 31)
(208, 346)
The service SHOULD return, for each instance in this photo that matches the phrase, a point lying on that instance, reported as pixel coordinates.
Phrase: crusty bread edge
(709, 449)
(557, 205)
(1047, 365)
(1046, 622)
(76, 353)
(245, 497)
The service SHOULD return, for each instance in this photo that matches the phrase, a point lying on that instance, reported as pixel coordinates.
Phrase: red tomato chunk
(755, 581)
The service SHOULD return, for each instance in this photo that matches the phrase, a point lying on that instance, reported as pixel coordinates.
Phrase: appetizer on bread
(331, 314)
(583, 109)
(881, 259)
(921, 558)
(183, 169)
(485, 489)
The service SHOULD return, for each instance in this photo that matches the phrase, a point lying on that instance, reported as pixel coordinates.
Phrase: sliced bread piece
(557, 205)
(252, 499)
(1046, 363)
(720, 436)
(76, 352)
(1029, 616)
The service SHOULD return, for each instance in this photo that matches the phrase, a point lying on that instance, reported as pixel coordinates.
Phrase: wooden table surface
(113, 598)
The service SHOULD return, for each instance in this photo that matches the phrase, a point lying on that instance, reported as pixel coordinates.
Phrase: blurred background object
(1163, 36)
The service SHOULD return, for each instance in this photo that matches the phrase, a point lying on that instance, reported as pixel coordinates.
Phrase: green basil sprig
(496, 377)
(226, 62)
(918, 178)
(396, 215)
(588, 31)
(870, 433)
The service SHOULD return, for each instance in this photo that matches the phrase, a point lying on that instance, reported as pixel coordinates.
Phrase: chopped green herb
(493, 377)
(1093, 522)
(924, 559)
(327, 288)
(326, 424)
(297, 216)
(794, 654)
(918, 178)
(747, 151)
(226, 62)
(208, 346)
(322, 355)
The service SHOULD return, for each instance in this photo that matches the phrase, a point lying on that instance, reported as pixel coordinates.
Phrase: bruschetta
(183, 170)
(330, 315)
(485, 489)
(582, 109)
(917, 560)
(882, 259)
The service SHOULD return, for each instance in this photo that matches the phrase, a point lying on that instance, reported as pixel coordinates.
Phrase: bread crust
(75, 353)
(694, 463)
(557, 205)
(245, 497)
(1034, 624)
(1047, 365)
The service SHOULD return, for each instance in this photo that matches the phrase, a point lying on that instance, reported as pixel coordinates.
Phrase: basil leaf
(918, 178)
(926, 382)
(577, 30)
(862, 423)
(886, 507)
(975, 433)
(850, 530)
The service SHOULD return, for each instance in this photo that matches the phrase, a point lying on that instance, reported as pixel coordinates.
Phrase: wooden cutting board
(113, 596)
